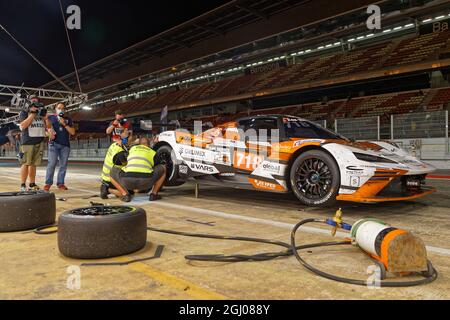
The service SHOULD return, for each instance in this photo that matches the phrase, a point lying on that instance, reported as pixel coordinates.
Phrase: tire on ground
(26, 210)
(172, 179)
(102, 232)
(330, 197)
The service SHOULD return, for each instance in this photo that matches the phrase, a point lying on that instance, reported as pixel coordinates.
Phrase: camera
(41, 110)
(27, 102)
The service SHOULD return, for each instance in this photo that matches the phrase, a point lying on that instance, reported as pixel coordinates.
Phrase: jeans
(57, 152)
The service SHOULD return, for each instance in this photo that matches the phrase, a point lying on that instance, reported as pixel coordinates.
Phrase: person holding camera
(119, 129)
(59, 147)
(33, 123)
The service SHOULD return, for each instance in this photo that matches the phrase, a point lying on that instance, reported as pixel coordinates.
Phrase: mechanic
(116, 156)
(140, 173)
(120, 128)
(59, 147)
(33, 124)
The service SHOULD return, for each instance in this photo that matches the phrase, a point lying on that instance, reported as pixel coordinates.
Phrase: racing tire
(102, 232)
(165, 155)
(21, 211)
(315, 178)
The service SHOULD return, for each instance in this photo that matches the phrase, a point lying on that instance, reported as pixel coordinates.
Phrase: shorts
(137, 183)
(32, 154)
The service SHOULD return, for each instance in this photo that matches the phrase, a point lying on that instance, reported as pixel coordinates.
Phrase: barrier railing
(420, 125)
(365, 128)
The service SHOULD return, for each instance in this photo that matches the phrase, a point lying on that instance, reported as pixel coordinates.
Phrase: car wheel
(102, 232)
(26, 210)
(315, 178)
(165, 155)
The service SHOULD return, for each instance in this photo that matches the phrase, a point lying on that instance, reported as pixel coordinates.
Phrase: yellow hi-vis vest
(140, 159)
(113, 150)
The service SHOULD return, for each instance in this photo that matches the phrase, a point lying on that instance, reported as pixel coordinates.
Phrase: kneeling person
(116, 157)
(140, 173)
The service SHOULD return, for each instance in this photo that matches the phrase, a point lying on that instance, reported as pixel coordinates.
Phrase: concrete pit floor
(33, 268)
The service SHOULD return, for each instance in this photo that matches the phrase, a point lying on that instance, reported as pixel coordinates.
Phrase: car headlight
(371, 158)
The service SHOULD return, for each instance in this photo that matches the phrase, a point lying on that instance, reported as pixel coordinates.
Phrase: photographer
(59, 147)
(33, 122)
(119, 128)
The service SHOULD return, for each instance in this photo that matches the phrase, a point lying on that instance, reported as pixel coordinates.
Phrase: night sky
(107, 27)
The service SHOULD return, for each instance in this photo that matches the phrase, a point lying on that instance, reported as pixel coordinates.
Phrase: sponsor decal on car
(191, 153)
(354, 181)
(203, 168)
(227, 174)
(183, 169)
(354, 171)
(271, 167)
(265, 185)
(166, 135)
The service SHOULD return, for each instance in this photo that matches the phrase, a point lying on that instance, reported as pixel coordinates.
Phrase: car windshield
(297, 128)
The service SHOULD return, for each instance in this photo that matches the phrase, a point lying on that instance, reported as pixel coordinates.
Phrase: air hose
(265, 256)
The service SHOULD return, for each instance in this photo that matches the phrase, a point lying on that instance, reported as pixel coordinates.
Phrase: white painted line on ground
(75, 189)
(70, 175)
(284, 225)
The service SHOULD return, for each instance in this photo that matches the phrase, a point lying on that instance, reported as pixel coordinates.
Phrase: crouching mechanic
(140, 173)
(116, 156)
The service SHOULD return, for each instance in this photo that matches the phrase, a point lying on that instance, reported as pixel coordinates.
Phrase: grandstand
(359, 60)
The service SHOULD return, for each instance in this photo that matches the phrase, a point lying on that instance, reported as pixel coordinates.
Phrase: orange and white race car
(281, 153)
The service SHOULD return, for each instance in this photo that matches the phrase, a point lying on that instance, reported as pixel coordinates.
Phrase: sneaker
(154, 197)
(104, 191)
(126, 198)
(47, 187)
(23, 188)
(34, 187)
(62, 187)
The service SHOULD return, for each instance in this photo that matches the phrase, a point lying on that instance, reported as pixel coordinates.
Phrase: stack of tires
(21, 211)
(85, 233)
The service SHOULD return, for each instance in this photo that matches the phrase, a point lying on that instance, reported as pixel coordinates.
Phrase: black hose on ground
(265, 256)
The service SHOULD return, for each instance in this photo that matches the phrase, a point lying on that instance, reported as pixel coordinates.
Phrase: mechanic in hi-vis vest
(116, 156)
(140, 173)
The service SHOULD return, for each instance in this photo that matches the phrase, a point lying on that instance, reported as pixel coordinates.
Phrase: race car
(282, 153)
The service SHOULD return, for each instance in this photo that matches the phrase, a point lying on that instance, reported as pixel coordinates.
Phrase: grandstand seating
(361, 59)
(416, 49)
(237, 85)
(441, 98)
